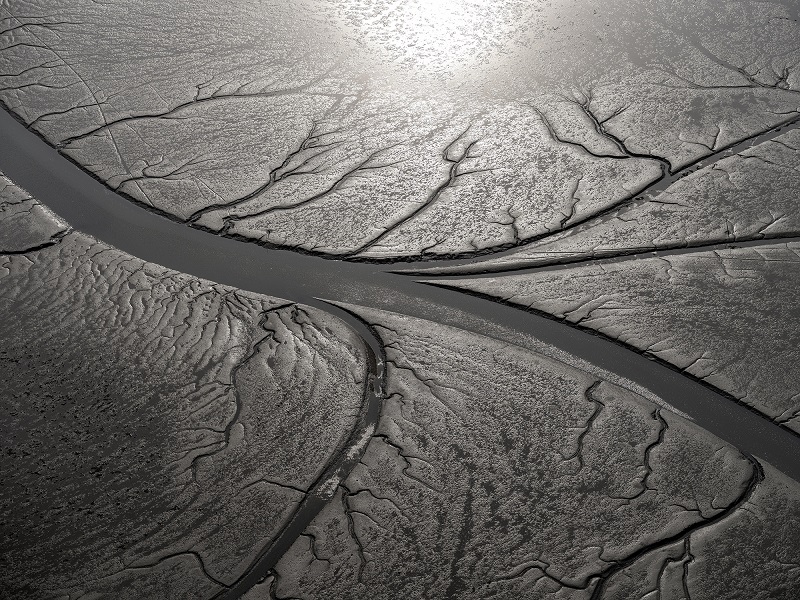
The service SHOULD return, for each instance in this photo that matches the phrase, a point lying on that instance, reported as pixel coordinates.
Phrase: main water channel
(89, 206)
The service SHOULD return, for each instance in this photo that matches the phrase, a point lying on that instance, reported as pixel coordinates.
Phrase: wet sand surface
(499, 315)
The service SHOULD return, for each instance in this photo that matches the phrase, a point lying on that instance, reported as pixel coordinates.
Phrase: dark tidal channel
(91, 207)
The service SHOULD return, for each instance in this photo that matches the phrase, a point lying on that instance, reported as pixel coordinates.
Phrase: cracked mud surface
(728, 317)
(700, 564)
(388, 141)
(497, 473)
(747, 194)
(177, 451)
(493, 470)
(628, 169)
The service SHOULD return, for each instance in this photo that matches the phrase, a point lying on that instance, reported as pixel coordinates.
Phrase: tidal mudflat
(159, 430)
(462, 299)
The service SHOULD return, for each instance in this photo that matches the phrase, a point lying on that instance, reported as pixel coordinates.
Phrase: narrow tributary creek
(89, 206)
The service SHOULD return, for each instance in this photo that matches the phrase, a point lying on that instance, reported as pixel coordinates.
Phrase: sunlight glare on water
(434, 35)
